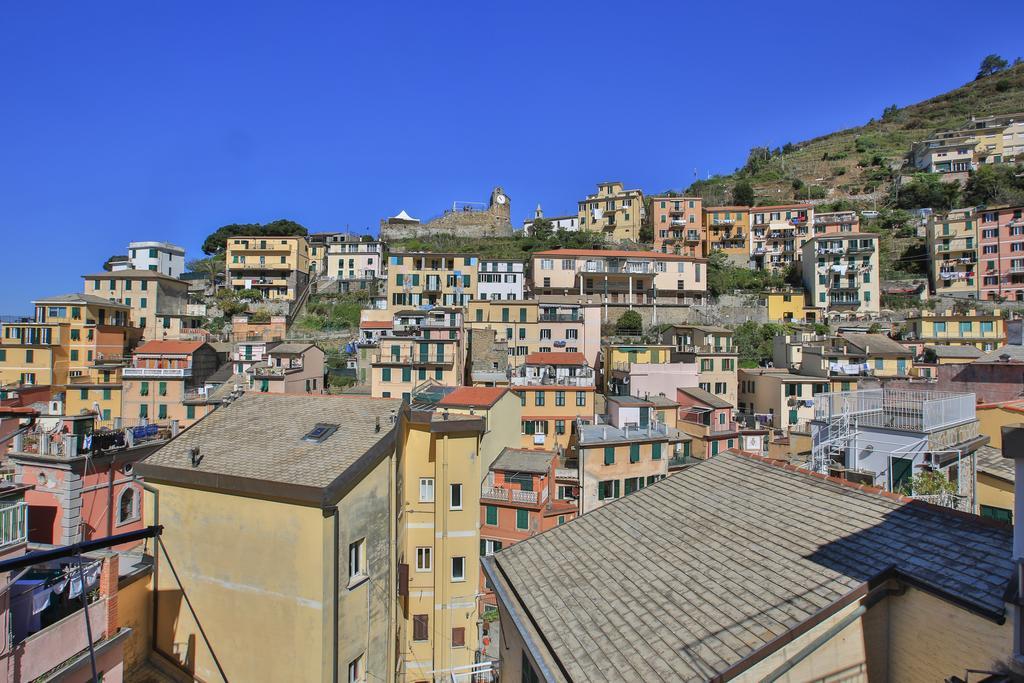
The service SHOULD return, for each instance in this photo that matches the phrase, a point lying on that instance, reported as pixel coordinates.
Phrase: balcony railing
(645, 268)
(897, 408)
(548, 380)
(110, 361)
(560, 317)
(514, 495)
(414, 359)
(258, 266)
(275, 371)
(704, 348)
(13, 524)
(131, 373)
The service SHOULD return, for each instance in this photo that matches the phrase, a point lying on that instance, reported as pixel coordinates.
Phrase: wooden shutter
(459, 637)
(616, 488)
(403, 580)
(420, 627)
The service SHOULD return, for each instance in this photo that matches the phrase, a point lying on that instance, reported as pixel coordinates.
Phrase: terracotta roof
(473, 397)
(376, 325)
(616, 253)
(160, 346)
(556, 358)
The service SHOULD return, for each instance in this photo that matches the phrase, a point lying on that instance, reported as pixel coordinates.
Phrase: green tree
(995, 184)
(743, 194)
(992, 64)
(211, 267)
(217, 241)
(927, 190)
(542, 229)
(249, 295)
(757, 159)
(646, 233)
(890, 112)
(629, 322)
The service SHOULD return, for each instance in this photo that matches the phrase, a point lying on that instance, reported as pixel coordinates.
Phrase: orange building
(165, 379)
(554, 390)
(678, 225)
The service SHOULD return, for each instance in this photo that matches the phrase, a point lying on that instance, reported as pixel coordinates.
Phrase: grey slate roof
(1015, 352)
(522, 460)
(705, 397)
(877, 343)
(691, 575)
(80, 299)
(991, 461)
(259, 436)
(968, 352)
(291, 347)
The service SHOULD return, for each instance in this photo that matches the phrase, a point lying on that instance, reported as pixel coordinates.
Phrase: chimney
(1013, 447)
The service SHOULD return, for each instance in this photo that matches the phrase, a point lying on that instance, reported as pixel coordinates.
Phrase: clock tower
(500, 205)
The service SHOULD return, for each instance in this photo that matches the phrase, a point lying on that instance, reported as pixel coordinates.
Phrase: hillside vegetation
(859, 163)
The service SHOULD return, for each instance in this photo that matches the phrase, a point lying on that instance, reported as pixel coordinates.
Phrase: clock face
(500, 199)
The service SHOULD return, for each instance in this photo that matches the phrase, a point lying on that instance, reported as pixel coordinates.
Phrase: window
(560, 395)
(357, 670)
(538, 398)
(420, 627)
(655, 451)
(491, 515)
(162, 388)
(455, 497)
(143, 388)
(528, 673)
(458, 568)
(581, 398)
(565, 493)
(489, 547)
(424, 559)
(161, 411)
(609, 455)
(559, 426)
(426, 489)
(608, 489)
(522, 520)
(357, 560)
(127, 506)
(634, 452)
(30, 356)
(83, 394)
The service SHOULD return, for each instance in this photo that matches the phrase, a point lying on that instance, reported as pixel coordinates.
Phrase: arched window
(127, 506)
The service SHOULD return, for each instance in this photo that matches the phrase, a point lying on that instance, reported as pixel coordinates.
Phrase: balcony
(518, 378)
(918, 411)
(677, 223)
(259, 266)
(723, 222)
(704, 348)
(145, 373)
(13, 524)
(274, 371)
(107, 361)
(413, 359)
(644, 268)
(560, 317)
(513, 495)
(838, 303)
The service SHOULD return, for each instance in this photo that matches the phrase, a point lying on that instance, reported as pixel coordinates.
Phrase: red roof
(556, 358)
(616, 253)
(170, 347)
(376, 325)
(471, 397)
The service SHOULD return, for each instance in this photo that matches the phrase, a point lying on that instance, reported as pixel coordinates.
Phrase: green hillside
(859, 163)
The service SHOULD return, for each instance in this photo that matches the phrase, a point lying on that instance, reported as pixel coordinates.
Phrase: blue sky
(129, 120)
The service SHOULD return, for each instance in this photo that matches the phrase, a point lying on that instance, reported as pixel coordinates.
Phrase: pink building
(291, 368)
(677, 223)
(661, 378)
(1001, 261)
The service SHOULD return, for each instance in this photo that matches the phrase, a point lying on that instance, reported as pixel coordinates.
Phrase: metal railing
(414, 359)
(897, 408)
(129, 373)
(560, 317)
(13, 523)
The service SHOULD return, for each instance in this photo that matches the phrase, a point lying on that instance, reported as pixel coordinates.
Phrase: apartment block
(628, 450)
(710, 348)
(521, 498)
(160, 257)
(618, 356)
(980, 140)
(711, 424)
(986, 331)
(789, 305)
(1001, 263)
(849, 355)
(277, 266)
(289, 368)
(357, 262)
(678, 225)
(953, 253)
(158, 302)
(614, 211)
(501, 280)
(60, 345)
(778, 397)
(417, 279)
(554, 389)
(778, 233)
(727, 229)
(421, 346)
(841, 274)
(626, 277)
(951, 152)
(163, 377)
(448, 446)
(547, 324)
(831, 222)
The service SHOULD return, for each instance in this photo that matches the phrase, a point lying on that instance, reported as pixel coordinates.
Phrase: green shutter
(634, 452)
(492, 515)
(609, 455)
(616, 487)
(522, 519)
(656, 451)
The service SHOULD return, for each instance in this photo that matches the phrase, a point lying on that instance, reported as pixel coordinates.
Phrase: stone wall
(727, 310)
(461, 223)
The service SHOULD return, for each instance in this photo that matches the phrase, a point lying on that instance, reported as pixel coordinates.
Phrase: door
(900, 472)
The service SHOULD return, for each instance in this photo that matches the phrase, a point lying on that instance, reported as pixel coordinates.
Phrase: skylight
(320, 432)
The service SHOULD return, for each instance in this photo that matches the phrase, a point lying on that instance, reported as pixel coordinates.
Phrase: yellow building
(995, 484)
(856, 354)
(986, 331)
(710, 348)
(416, 279)
(420, 346)
(841, 273)
(279, 523)
(790, 305)
(548, 324)
(617, 212)
(617, 358)
(953, 253)
(74, 344)
(446, 451)
(779, 398)
(727, 229)
(277, 266)
(158, 302)
(554, 390)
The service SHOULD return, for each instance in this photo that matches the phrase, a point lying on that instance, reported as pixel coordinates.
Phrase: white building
(161, 257)
(501, 280)
(567, 223)
(357, 262)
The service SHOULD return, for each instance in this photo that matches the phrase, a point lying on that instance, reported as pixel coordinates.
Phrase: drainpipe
(1013, 447)
(156, 554)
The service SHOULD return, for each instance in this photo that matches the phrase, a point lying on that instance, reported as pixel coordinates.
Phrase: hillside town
(719, 433)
